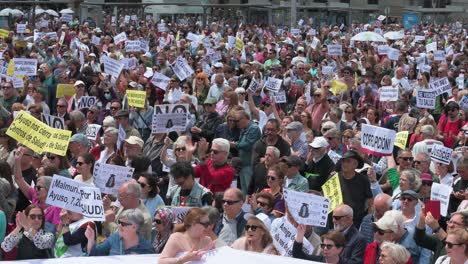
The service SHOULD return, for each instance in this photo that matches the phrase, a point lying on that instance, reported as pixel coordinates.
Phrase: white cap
(218, 65)
(239, 90)
(319, 142)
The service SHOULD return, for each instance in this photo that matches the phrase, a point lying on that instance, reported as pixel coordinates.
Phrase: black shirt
(260, 147)
(318, 173)
(356, 192)
(29, 176)
(259, 180)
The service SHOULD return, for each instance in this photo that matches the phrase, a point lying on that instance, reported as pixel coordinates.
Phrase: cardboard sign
(181, 68)
(401, 139)
(120, 38)
(21, 28)
(26, 67)
(133, 46)
(388, 93)
(306, 208)
(441, 154)
(440, 86)
(86, 101)
(172, 117)
(441, 192)
(393, 54)
(377, 140)
(273, 84)
(113, 67)
(65, 90)
(332, 190)
(284, 233)
(53, 121)
(108, 178)
(136, 98)
(425, 99)
(439, 55)
(92, 131)
(160, 80)
(335, 50)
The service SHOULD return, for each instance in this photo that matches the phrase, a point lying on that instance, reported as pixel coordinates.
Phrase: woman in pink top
(320, 106)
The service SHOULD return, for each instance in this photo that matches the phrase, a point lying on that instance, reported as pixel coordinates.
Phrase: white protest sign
(273, 84)
(460, 81)
(181, 68)
(431, 47)
(419, 38)
(162, 27)
(133, 17)
(440, 86)
(280, 97)
(120, 38)
(113, 67)
(381, 17)
(121, 136)
(300, 22)
(306, 208)
(132, 46)
(26, 67)
(53, 121)
(215, 56)
(193, 37)
(314, 43)
(91, 203)
(254, 85)
(312, 32)
(108, 178)
(441, 192)
(81, 54)
(172, 117)
(17, 82)
(377, 140)
(425, 99)
(284, 233)
(92, 131)
(86, 101)
(439, 55)
(179, 212)
(335, 50)
(113, 19)
(52, 35)
(388, 93)
(126, 19)
(160, 80)
(206, 42)
(382, 49)
(441, 154)
(66, 17)
(295, 31)
(21, 28)
(464, 103)
(393, 54)
(335, 157)
(129, 63)
(231, 42)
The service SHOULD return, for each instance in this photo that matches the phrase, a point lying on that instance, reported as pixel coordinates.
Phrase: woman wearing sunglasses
(126, 241)
(275, 180)
(188, 242)
(60, 162)
(332, 245)
(163, 224)
(150, 192)
(456, 245)
(257, 238)
(29, 237)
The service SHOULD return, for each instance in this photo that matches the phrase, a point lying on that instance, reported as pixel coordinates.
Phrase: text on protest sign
(21, 28)
(132, 46)
(464, 102)
(306, 208)
(129, 63)
(76, 196)
(95, 40)
(92, 131)
(108, 178)
(388, 93)
(113, 67)
(441, 154)
(4, 33)
(440, 86)
(120, 38)
(393, 54)
(26, 67)
(169, 118)
(65, 90)
(335, 50)
(273, 84)
(425, 99)
(382, 49)
(401, 139)
(280, 97)
(283, 234)
(179, 212)
(441, 192)
(181, 68)
(439, 55)
(53, 121)
(377, 141)
(136, 98)
(38, 136)
(160, 80)
(86, 101)
(327, 69)
(67, 17)
(332, 190)
(254, 85)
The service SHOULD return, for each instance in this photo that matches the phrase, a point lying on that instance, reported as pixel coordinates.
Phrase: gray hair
(114, 131)
(181, 141)
(47, 180)
(109, 121)
(133, 187)
(398, 253)
(427, 130)
(77, 116)
(222, 143)
(275, 150)
(425, 156)
(213, 214)
(219, 75)
(412, 175)
(334, 132)
(63, 100)
(348, 210)
(336, 111)
(134, 216)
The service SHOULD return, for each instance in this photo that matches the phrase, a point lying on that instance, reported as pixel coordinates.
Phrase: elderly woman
(392, 253)
(257, 238)
(456, 245)
(179, 153)
(189, 241)
(150, 192)
(126, 241)
(163, 224)
(29, 237)
(108, 148)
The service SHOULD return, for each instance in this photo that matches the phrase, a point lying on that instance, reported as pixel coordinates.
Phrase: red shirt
(450, 128)
(217, 179)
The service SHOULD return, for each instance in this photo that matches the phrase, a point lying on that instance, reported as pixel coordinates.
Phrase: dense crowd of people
(245, 141)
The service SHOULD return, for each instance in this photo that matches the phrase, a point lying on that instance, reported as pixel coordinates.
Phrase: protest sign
(133, 17)
(377, 141)
(388, 93)
(51, 35)
(17, 82)
(179, 212)
(120, 38)
(440, 86)
(86, 101)
(206, 42)
(121, 136)
(335, 50)
(231, 42)
(254, 85)
(215, 56)
(64, 89)
(283, 234)
(280, 97)
(126, 19)
(425, 99)
(431, 46)
(312, 32)
(26, 67)
(162, 27)
(441, 154)
(335, 157)
(21, 28)
(11, 68)
(314, 43)
(91, 203)
(108, 178)
(4, 33)
(460, 81)
(170, 117)
(239, 44)
(181, 68)
(306, 208)
(332, 190)
(382, 49)
(327, 69)
(401, 139)
(95, 40)
(53, 121)
(92, 131)
(129, 63)
(439, 55)
(464, 102)
(132, 46)
(113, 67)
(273, 84)
(66, 17)
(419, 38)
(160, 80)
(441, 192)
(136, 98)
(393, 54)
(295, 31)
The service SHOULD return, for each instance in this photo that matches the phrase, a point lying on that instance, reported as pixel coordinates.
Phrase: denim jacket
(113, 245)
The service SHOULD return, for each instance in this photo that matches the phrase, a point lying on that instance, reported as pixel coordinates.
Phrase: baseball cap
(134, 140)
(390, 221)
(319, 142)
(210, 100)
(410, 193)
(296, 125)
(80, 138)
(122, 113)
(218, 65)
(239, 90)
(426, 177)
(77, 83)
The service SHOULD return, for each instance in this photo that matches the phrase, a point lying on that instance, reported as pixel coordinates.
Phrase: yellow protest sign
(338, 86)
(65, 89)
(401, 139)
(59, 141)
(332, 190)
(136, 98)
(11, 68)
(4, 33)
(239, 44)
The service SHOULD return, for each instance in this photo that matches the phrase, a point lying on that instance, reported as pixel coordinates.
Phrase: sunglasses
(328, 246)
(406, 198)
(6, 87)
(158, 221)
(60, 106)
(450, 245)
(261, 204)
(348, 112)
(124, 224)
(204, 224)
(180, 149)
(79, 163)
(114, 108)
(38, 188)
(230, 202)
(317, 95)
(381, 232)
(338, 217)
(407, 158)
(51, 157)
(142, 184)
(251, 227)
(38, 217)
(270, 178)
(209, 105)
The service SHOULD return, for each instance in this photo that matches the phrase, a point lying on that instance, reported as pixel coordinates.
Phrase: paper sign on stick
(160, 80)
(401, 139)
(335, 50)
(306, 208)
(441, 192)
(92, 131)
(65, 90)
(136, 98)
(377, 140)
(273, 84)
(388, 93)
(169, 118)
(425, 99)
(442, 154)
(108, 178)
(440, 86)
(332, 190)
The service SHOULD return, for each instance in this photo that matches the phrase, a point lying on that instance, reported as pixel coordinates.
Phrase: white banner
(441, 192)
(284, 233)
(160, 80)
(86, 101)
(306, 208)
(440, 86)
(181, 68)
(393, 54)
(21, 28)
(53, 121)
(170, 117)
(113, 67)
(425, 99)
(120, 38)
(92, 131)
(26, 67)
(273, 84)
(335, 50)
(388, 93)
(108, 178)
(442, 154)
(132, 46)
(377, 140)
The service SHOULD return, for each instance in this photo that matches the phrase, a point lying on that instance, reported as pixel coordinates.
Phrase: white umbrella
(16, 12)
(5, 12)
(39, 11)
(393, 35)
(66, 11)
(368, 36)
(52, 12)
